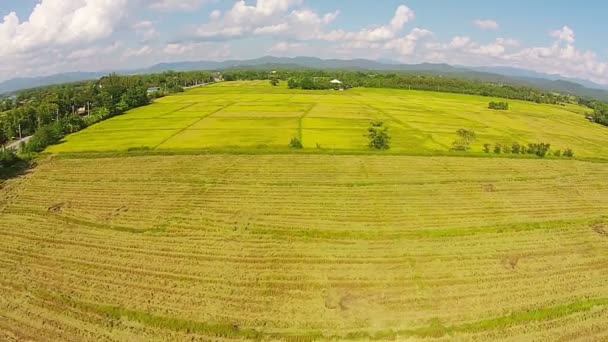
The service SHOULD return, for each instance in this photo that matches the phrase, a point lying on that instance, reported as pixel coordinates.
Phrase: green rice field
(246, 115)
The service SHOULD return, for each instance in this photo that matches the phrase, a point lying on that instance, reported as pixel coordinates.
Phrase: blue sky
(545, 36)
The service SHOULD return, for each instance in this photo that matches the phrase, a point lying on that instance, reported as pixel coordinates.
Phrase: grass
(304, 247)
(256, 115)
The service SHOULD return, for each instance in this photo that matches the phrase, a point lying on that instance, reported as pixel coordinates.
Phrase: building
(337, 84)
(217, 77)
(153, 90)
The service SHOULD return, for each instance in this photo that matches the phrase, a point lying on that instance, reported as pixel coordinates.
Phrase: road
(15, 145)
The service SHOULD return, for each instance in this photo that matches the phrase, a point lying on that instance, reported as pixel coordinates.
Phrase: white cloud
(565, 34)
(486, 24)
(95, 51)
(176, 5)
(215, 14)
(143, 51)
(58, 22)
(146, 30)
(376, 33)
(459, 42)
(243, 19)
(406, 45)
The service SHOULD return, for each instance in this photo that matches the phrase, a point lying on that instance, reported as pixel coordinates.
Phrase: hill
(489, 74)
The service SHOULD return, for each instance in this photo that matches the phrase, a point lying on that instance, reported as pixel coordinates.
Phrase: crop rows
(304, 247)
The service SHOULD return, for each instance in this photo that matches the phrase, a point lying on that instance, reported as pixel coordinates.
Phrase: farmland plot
(420, 122)
(298, 247)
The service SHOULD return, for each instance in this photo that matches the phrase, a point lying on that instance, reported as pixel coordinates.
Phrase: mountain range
(510, 75)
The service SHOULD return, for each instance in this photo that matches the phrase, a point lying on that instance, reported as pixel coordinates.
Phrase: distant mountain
(33, 82)
(522, 73)
(505, 75)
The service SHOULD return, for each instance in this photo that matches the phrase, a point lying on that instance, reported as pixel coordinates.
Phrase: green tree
(487, 148)
(465, 139)
(516, 148)
(295, 143)
(379, 138)
(274, 81)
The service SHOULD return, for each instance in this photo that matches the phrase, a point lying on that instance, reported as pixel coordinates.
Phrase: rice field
(254, 115)
(304, 247)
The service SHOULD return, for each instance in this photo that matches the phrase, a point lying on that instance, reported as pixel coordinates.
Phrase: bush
(557, 153)
(499, 105)
(296, 143)
(568, 153)
(487, 148)
(8, 158)
(516, 148)
(465, 139)
(274, 81)
(45, 136)
(543, 149)
(506, 149)
(379, 138)
(498, 148)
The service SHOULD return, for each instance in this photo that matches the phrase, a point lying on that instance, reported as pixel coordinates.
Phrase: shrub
(274, 81)
(499, 105)
(296, 143)
(8, 158)
(557, 153)
(568, 153)
(487, 148)
(45, 136)
(379, 138)
(465, 139)
(498, 148)
(506, 149)
(516, 148)
(543, 149)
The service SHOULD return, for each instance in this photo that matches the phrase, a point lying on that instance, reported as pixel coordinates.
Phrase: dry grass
(299, 247)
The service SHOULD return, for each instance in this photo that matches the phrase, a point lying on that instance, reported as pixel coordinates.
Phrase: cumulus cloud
(565, 34)
(58, 22)
(486, 24)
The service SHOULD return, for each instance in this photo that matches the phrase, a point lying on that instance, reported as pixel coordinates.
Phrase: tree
(487, 148)
(3, 138)
(274, 81)
(292, 83)
(296, 143)
(498, 148)
(465, 139)
(543, 149)
(379, 138)
(516, 148)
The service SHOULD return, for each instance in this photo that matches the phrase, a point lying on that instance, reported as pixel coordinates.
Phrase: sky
(43, 37)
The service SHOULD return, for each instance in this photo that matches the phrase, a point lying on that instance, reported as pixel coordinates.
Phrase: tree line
(49, 113)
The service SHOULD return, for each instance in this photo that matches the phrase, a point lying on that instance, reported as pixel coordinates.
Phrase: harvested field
(304, 247)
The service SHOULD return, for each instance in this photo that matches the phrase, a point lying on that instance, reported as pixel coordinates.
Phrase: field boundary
(192, 124)
(285, 151)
